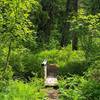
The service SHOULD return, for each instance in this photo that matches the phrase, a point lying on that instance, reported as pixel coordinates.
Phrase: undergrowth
(18, 90)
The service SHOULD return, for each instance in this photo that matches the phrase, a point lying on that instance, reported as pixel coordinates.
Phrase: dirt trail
(52, 94)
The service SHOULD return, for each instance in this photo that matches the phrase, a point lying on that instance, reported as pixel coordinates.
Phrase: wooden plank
(51, 81)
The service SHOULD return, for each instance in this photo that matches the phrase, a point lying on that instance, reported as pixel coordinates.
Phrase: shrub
(69, 61)
(90, 90)
(94, 71)
(78, 88)
(17, 90)
(69, 88)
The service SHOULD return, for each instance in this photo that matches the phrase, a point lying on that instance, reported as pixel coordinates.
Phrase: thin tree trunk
(75, 36)
(74, 41)
(66, 26)
(8, 56)
(9, 52)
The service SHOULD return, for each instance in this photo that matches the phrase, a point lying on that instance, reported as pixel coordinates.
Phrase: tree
(66, 25)
(16, 28)
(44, 21)
(74, 35)
(91, 6)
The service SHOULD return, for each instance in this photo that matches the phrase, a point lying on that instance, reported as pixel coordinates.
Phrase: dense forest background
(66, 32)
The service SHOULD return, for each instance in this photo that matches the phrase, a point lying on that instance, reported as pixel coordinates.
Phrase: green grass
(17, 90)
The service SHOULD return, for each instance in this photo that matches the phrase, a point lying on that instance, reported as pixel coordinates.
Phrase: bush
(17, 90)
(90, 90)
(25, 64)
(78, 88)
(69, 88)
(94, 71)
(72, 62)
(69, 61)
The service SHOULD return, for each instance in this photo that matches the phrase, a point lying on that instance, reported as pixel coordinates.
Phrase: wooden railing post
(44, 63)
(45, 71)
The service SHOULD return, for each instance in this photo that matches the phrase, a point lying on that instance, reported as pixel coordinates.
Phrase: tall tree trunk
(75, 36)
(66, 26)
(8, 56)
(9, 52)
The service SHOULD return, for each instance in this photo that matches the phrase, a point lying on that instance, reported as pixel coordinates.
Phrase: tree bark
(8, 56)
(9, 52)
(75, 36)
(66, 26)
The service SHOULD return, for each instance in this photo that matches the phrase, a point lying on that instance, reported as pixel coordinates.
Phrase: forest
(65, 32)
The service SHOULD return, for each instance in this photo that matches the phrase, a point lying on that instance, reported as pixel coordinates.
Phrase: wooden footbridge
(50, 80)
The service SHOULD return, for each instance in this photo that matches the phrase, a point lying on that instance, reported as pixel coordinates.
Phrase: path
(52, 94)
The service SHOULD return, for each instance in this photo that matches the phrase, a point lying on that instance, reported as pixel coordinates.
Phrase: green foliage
(92, 6)
(78, 88)
(94, 71)
(17, 90)
(90, 90)
(25, 62)
(69, 61)
(88, 29)
(15, 23)
(16, 30)
(32, 30)
(67, 88)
